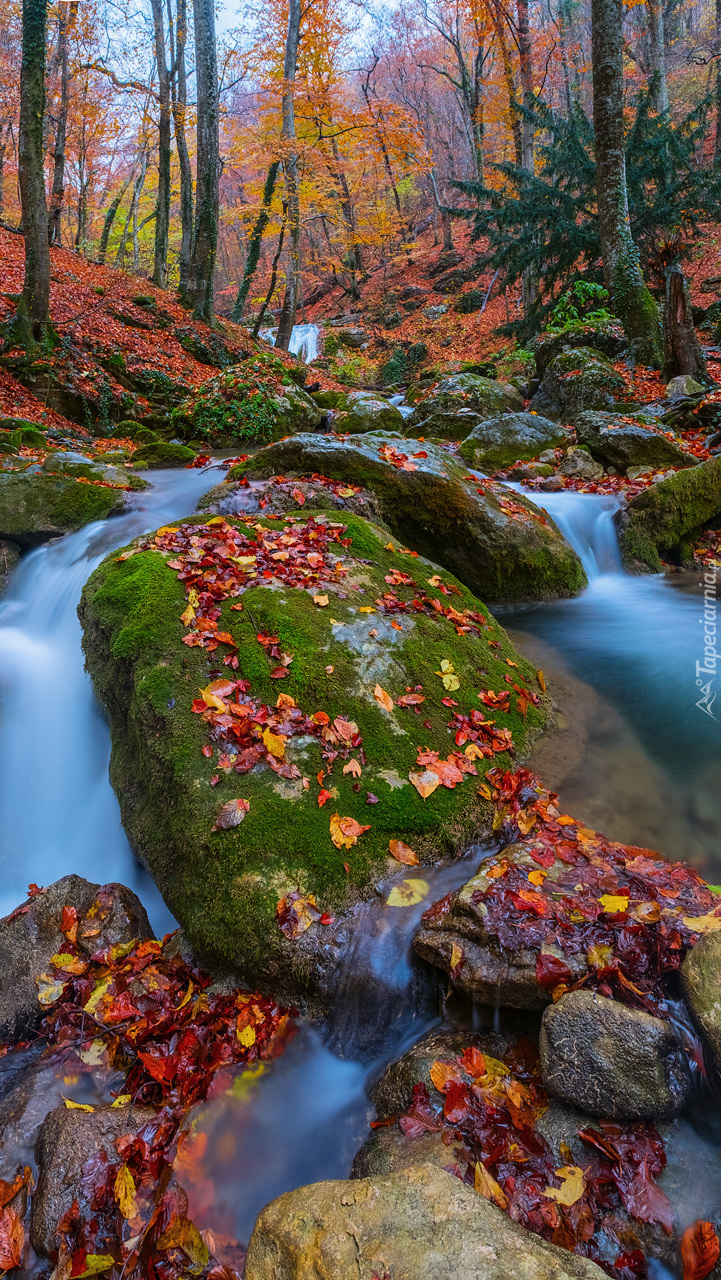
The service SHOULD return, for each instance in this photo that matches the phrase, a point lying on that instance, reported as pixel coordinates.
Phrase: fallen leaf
(94, 1264)
(425, 783)
(124, 1192)
(448, 676)
(274, 744)
(487, 1186)
(703, 924)
(231, 815)
(324, 796)
(613, 903)
(12, 1239)
(321, 601)
(248, 1035)
(408, 893)
(344, 832)
(383, 699)
(353, 767)
(574, 1185)
(699, 1250)
(77, 1106)
(541, 680)
(457, 958)
(402, 853)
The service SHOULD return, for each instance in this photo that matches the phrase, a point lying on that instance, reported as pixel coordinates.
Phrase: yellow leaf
(403, 853)
(537, 877)
(574, 1185)
(541, 680)
(95, 1053)
(96, 996)
(274, 744)
(353, 767)
(425, 783)
(408, 893)
(95, 1263)
(77, 1106)
(122, 1100)
(124, 1191)
(388, 546)
(346, 493)
(188, 616)
(344, 832)
(487, 1186)
(612, 902)
(703, 924)
(599, 956)
(211, 699)
(247, 1037)
(321, 601)
(50, 988)
(366, 609)
(448, 676)
(456, 956)
(383, 699)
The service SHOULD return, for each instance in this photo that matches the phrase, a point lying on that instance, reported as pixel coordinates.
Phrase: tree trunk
(717, 139)
(514, 118)
(162, 221)
(110, 215)
(529, 97)
(292, 283)
(273, 278)
(133, 210)
(478, 121)
(682, 352)
(631, 299)
(256, 240)
(34, 304)
(179, 105)
(65, 16)
(657, 49)
(199, 292)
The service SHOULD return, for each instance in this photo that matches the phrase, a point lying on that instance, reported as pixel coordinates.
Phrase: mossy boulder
(77, 465)
(159, 455)
(35, 507)
(360, 411)
(439, 414)
(255, 401)
(511, 437)
(499, 544)
(609, 339)
(667, 517)
(618, 441)
(224, 886)
(578, 379)
(281, 496)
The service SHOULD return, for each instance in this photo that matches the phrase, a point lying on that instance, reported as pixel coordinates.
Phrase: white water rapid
(303, 340)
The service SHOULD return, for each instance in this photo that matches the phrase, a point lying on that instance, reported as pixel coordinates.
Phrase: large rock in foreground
(701, 982)
(271, 752)
(457, 404)
(35, 507)
(33, 933)
(511, 437)
(498, 543)
(422, 1224)
(622, 443)
(666, 517)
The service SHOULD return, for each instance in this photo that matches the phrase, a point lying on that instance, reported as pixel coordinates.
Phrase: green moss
(669, 514)
(36, 507)
(224, 886)
(157, 455)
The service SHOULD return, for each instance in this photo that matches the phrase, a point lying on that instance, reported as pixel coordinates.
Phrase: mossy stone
(360, 411)
(256, 400)
(614, 440)
(37, 507)
(511, 437)
(500, 545)
(224, 886)
(479, 398)
(578, 379)
(159, 455)
(669, 514)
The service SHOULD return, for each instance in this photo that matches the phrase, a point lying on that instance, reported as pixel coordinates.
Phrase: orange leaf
(444, 1073)
(344, 832)
(353, 766)
(486, 1186)
(425, 783)
(402, 853)
(12, 1239)
(323, 797)
(699, 1251)
(382, 698)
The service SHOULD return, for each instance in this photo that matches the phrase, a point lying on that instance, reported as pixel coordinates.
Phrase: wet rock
(701, 982)
(511, 437)
(161, 455)
(579, 465)
(427, 502)
(68, 1139)
(77, 465)
(608, 339)
(108, 914)
(35, 507)
(232, 498)
(421, 1224)
(667, 517)
(613, 1061)
(9, 560)
(613, 439)
(353, 338)
(479, 398)
(577, 379)
(224, 886)
(29, 1087)
(361, 411)
(683, 386)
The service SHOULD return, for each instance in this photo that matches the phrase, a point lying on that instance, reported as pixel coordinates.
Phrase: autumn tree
(199, 291)
(34, 303)
(631, 300)
(290, 165)
(162, 216)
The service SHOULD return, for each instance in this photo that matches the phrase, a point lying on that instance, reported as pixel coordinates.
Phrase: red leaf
(550, 970)
(699, 1251)
(12, 1239)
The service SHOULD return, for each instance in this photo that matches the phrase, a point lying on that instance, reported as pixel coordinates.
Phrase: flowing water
(640, 762)
(303, 340)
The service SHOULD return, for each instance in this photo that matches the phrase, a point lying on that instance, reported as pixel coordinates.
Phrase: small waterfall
(303, 341)
(586, 521)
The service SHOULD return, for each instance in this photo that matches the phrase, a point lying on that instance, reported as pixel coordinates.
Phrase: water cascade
(303, 341)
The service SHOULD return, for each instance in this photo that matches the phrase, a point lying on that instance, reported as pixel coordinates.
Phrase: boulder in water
(161, 455)
(33, 933)
(622, 443)
(310, 732)
(421, 1224)
(511, 437)
(578, 464)
(701, 981)
(35, 507)
(479, 398)
(497, 542)
(361, 411)
(667, 517)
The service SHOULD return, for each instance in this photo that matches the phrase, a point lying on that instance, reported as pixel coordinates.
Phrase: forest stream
(633, 757)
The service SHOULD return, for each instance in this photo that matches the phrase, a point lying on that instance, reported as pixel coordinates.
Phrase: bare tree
(290, 166)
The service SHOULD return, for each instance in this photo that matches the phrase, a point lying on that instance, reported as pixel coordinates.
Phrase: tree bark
(162, 221)
(66, 15)
(133, 210)
(529, 97)
(631, 299)
(273, 278)
(514, 119)
(292, 284)
(717, 139)
(34, 304)
(681, 350)
(256, 241)
(110, 216)
(657, 49)
(179, 93)
(199, 291)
